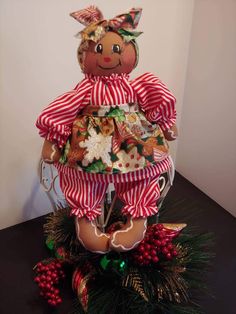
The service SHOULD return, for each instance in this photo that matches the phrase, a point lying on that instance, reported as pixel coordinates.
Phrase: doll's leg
(84, 198)
(140, 199)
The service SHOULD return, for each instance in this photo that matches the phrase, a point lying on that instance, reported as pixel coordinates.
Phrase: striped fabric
(56, 120)
(133, 176)
(139, 197)
(85, 197)
(88, 15)
(154, 99)
(84, 191)
(113, 90)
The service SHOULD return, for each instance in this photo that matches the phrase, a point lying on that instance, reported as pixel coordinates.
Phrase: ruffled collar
(110, 78)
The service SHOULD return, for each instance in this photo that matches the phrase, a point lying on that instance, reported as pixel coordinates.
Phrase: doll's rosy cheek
(90, 62)
(128, 58)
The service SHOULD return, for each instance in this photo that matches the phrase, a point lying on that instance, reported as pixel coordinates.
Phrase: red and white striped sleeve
(55, 121)
(154, 98)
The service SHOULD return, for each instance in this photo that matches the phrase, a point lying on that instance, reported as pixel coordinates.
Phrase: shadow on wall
(37, 203)
(44, 197)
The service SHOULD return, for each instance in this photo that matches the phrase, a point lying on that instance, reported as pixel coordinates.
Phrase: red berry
(48, 286)
(49, 273)
(158, 243)
(145, 254)
(174, 253)
(168, 255)
(160, 227)
(59, 300)
(48, 278)
(165, 250)
(163, 242)
(51, 289)
(153, 252)
(53, 303)
(155, 259)
(161, 235)
(37, 279)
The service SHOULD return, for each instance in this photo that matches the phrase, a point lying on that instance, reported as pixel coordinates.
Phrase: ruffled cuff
(90, 214)
(59, 133)
(139, 211)
(156, 117)
(167, 125)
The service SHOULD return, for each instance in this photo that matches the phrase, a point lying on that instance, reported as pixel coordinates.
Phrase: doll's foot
(91, 237)
(130, 235)
(50, 152)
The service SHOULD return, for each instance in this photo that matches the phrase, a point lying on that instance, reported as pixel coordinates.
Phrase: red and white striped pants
(85, 197)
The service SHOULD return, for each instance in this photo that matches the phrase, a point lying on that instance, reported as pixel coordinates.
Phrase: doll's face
(110, 55)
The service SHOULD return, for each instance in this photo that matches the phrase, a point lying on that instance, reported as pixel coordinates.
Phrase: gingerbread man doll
(110, 129)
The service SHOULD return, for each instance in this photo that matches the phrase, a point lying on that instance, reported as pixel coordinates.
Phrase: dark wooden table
(22, 246)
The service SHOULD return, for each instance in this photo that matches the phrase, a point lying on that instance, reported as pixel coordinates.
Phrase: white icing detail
(53, 152)
(172, 134)
(95, 231)
(126, 230)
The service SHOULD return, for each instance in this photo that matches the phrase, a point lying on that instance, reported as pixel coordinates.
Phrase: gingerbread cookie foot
(91, 237)
(129, 236)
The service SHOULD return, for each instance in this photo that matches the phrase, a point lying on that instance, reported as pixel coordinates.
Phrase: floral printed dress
(110, 128)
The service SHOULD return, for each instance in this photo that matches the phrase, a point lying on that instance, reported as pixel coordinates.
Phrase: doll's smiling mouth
(109, 68)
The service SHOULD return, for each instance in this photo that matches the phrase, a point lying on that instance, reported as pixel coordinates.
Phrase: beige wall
(207, 147)
(38, 62)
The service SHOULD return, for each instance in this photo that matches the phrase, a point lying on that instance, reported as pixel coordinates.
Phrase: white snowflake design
(97, 146)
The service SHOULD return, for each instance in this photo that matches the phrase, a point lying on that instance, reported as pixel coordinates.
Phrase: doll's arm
(171, 134)
(55, 122)
(158, 103)
(50, 152)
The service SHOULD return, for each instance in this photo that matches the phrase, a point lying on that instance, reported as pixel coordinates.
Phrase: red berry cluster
(48, 275)
(156, 246)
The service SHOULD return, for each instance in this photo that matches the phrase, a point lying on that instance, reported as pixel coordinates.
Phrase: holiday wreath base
(161, 275)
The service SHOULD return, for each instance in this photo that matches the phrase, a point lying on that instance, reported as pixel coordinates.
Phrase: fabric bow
(95, 24)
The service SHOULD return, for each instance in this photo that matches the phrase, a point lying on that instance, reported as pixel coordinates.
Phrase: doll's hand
(171, 134)
(50, 152)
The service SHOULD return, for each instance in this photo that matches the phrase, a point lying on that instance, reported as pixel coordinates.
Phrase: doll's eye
(116, 48)
(98, 48)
